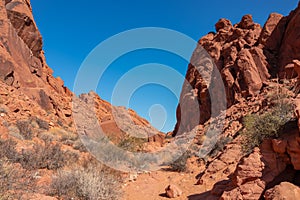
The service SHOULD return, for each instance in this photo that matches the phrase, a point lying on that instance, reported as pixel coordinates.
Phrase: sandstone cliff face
(246, 55)
(249, 58)
(22, 61)
(36, 111)
(23, 67)
(289, 48)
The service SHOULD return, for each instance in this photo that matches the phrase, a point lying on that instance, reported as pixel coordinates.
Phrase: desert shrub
(78, 145)
(8, 150)
(219, 146)
(59, 134)
(7, 179)
(86, 183)
(70, 157)
(47, 137)
(267, 125)
(179, 165)
(48, 156)
(41, 123)
(15, 181)
(25, 129)
(132, 144)
(60, 123)
(68, 137)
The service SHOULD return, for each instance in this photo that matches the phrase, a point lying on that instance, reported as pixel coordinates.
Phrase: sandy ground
(152, 186)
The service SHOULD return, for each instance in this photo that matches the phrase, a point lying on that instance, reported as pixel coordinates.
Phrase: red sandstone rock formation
(22, 61)
(284, 190)
(246, 55)
(23, 66)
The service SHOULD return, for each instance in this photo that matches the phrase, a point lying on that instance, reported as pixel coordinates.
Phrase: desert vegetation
(132, 144)
(87, 183)
(57, 155)
(270, 122)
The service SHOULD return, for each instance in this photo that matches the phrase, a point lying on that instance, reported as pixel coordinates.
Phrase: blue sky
(72, 29)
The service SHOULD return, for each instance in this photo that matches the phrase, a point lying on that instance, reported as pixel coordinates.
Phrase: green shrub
(267, 125)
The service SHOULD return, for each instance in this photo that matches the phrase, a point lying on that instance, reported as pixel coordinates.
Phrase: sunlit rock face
(246, 55)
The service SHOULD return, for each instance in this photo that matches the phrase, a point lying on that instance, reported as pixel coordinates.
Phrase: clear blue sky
(71, 29)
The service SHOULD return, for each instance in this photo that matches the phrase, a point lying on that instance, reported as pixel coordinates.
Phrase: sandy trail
(152, 186)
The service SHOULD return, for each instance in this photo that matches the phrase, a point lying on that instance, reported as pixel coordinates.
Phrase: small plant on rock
(267, 125)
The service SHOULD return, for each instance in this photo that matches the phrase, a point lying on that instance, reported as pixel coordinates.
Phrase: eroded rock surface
(284, 190)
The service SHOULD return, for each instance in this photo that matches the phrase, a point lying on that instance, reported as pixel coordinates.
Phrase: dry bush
(8, 150)
(132, 144)
(33, 125)
(25, 129)
(220, 145)
(78, 145)
(65, 137)
(15, 181)
(41, 123)
(91, 183)
(48, 156)
(8, 176)
(179, 165)
(47, 137)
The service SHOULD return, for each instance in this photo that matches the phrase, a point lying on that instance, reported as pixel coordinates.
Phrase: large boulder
(255, 172)
(284, 190)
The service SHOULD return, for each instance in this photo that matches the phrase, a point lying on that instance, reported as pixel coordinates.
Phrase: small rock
(132, 177)
(172, 191)
(279, 146)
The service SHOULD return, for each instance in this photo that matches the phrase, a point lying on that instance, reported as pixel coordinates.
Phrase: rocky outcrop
(246, 55)
(23, 66)
(262, 167)
(284, 190)
(289, 49)
(20, 16)
(22, 61)
(242, 65)
(117, 122)
(254, 172)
